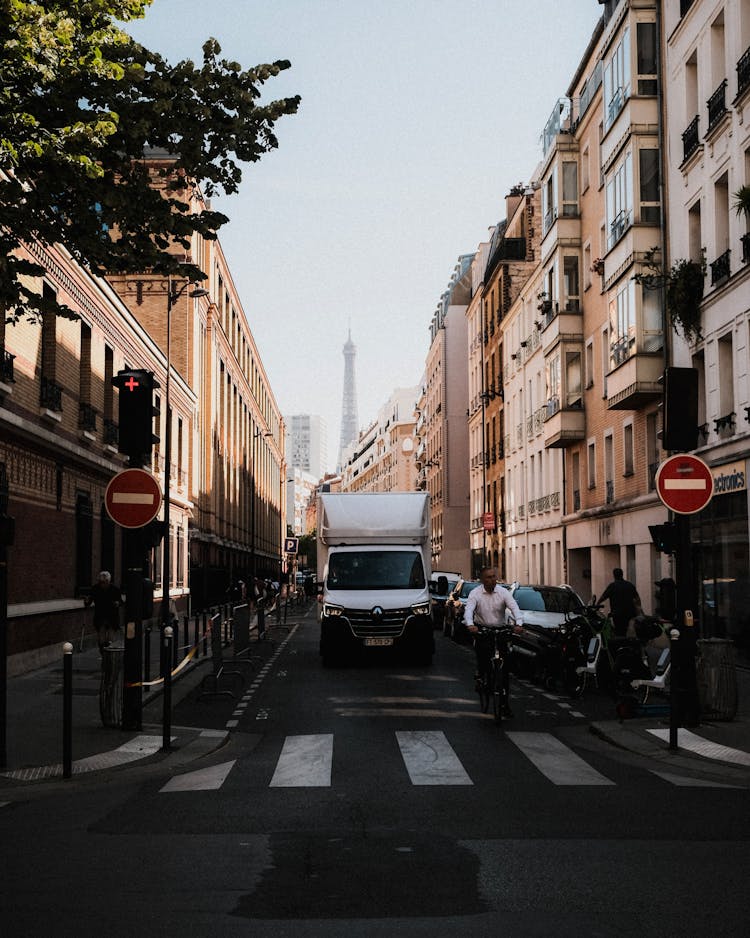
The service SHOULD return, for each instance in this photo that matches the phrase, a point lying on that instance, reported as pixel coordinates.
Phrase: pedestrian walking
(106, 599)
(624, 602)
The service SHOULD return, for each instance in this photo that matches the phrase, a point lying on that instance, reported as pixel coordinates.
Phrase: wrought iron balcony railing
(111, 432)
(720, 269)
(690, 139)
(717, 106)
(610, 491)
(576, 499)
(86, 417)
(50, 395)
(6, 366)
(743, 72)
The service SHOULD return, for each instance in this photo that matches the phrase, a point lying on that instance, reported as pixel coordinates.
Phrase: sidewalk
(35, 717)
(722, 746)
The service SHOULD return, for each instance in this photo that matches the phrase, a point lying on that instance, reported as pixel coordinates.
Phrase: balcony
(720, 270)
(562, 325)
(86, 417)
(619, 225)
(743, 72)
(564, 425)
(690, 139)
(50, 395)
(616, 104)
(6, 367)
(636, 380)
(717, 106)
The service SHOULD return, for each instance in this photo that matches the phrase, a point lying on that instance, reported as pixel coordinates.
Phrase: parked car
(544, 609)
(453, 625)
(438, 597)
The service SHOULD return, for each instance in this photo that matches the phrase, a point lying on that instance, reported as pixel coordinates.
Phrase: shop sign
(729, 478)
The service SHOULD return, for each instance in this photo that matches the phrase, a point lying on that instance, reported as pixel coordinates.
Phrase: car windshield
(468, 586)
(376, 569)
(546, 599)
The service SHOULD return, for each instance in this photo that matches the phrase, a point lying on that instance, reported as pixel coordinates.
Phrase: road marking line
(684, 781)
(577, 713)
(430, 759)
(305, 762)
(209, 779)
(230, 724)
(555, 760)
(565, 706)
(704, 747)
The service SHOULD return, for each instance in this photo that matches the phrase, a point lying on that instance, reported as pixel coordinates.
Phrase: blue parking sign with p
(291, 545)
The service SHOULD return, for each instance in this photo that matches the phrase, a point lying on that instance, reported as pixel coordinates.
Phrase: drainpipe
(662, 176)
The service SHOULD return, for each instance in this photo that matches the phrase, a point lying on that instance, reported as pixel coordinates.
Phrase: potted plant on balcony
(742, 201)
(683, 290)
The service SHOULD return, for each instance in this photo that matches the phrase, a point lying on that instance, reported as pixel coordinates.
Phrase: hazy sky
(417, 117)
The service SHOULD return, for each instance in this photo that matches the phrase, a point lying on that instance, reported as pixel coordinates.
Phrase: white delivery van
(373, 574)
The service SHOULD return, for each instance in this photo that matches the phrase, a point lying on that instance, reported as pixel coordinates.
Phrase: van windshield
(376, 569)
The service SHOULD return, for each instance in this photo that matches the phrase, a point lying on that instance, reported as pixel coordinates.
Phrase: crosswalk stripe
(684, 781)
(305, 762)
(209, 779)
(704, 747)
(430, 759)
(553, 758)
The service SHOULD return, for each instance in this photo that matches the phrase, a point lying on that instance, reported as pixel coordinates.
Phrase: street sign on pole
(291, 545)
(133, 498)
(685, 484)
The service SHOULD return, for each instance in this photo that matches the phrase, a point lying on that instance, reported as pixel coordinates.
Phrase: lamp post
(174, 292)
(253, 491)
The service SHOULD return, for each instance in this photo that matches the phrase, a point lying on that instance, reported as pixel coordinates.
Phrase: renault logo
(377, 612)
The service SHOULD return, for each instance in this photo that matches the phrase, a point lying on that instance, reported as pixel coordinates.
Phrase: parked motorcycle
(599, 660)
(632, 670)
(553, 656)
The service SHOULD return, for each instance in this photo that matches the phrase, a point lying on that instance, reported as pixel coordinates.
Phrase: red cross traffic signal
(136, 413)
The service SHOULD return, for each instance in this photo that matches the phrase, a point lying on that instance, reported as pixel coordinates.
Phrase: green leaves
(83, 111)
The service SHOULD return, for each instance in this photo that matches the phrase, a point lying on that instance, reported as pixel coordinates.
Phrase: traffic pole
(166, 741)
(67, 710)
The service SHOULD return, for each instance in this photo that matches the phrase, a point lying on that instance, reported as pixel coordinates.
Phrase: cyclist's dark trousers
(484, 646)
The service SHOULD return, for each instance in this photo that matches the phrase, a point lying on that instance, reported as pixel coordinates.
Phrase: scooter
(598, 666)
(632, 672)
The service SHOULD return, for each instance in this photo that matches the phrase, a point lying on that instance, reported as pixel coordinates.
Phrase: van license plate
(379, 642)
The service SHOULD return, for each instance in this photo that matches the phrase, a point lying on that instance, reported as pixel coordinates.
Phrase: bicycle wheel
(498, 697)
(483, 689)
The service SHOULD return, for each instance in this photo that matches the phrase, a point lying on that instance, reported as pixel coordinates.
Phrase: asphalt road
(377, 800)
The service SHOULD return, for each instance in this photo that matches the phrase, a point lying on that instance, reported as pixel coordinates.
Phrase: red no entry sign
(133, 498)
(685, 484)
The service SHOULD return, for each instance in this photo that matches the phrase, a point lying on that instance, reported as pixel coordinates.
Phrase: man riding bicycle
(487, 604)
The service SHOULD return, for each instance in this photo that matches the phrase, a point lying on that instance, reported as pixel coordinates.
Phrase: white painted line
(430, 759)
(553, 759)
(551, 696)
(703, 747)
(563, 705)
(305, 762)
(214, 734)
(577, 713)
(209, 779)
(230, 724)
(684, 781)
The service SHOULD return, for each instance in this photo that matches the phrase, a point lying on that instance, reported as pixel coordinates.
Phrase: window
(575, 481)
(573, 383)
(585, 168)
(552, 373)
(652, 449)
(570, 278)
(620, 201)
(586, 266)
(549, 203)
(591, 464)
(605, 359)
(609, 467)
(627, 447)
(622, 324)
(726, 373)
(646, 65)
(617, 80)
(590, 363)
(570, 189)
(648, 169)
(695, 237)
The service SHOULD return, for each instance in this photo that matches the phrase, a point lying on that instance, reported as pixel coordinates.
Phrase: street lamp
(174, 292)
(256, 435)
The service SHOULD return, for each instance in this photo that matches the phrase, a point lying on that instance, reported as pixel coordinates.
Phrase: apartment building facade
(442, 456)
(707, 103)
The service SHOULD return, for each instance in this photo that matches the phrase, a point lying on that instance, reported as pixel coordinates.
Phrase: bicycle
(491, 668)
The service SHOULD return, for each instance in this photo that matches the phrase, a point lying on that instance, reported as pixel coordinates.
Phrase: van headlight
(421, 609)
(329, 610)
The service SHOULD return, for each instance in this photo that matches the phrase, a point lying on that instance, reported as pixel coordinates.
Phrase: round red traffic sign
(684, 483)
(133, 498)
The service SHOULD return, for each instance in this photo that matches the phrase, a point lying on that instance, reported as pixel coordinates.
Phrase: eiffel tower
(349, 418)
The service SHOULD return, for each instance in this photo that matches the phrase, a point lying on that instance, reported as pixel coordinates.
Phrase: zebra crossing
(427, 758)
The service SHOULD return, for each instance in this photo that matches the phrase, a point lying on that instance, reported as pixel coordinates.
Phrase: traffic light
(137, 411)
(664, 537)
(680, 433)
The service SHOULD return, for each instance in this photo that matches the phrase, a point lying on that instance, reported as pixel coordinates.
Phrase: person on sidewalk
(624, 602)
(106, 598)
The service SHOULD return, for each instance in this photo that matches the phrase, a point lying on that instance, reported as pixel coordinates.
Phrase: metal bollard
(176, 642)
(205, 637)
(674, 719)
(67, 710)
(195, 636)
(166, 740)
(147, 657)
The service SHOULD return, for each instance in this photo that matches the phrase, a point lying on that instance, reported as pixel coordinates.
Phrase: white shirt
(489, 608)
